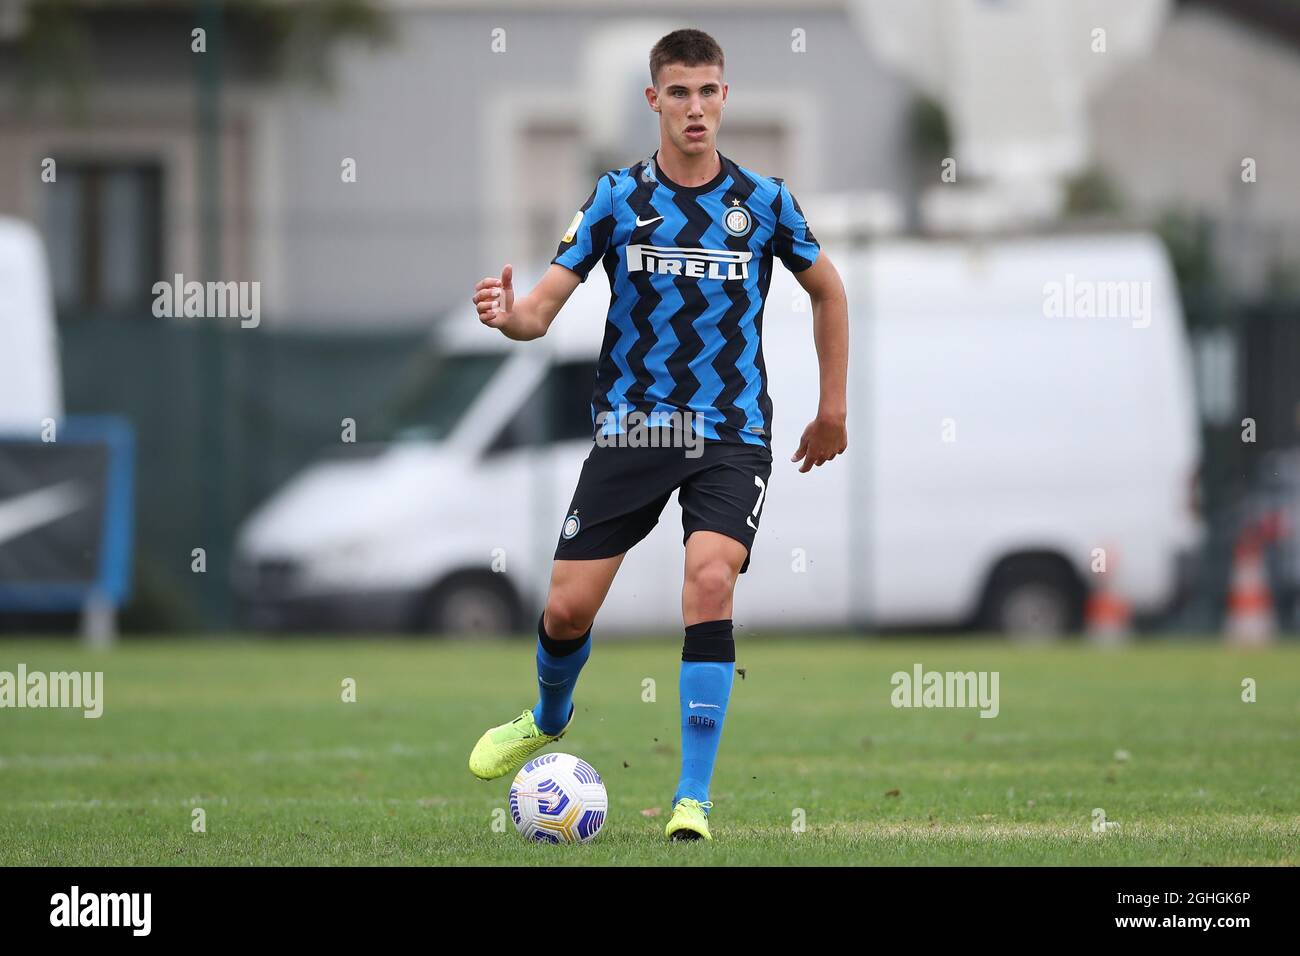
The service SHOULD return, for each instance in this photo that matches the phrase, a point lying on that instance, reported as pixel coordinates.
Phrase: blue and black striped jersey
(689, 269)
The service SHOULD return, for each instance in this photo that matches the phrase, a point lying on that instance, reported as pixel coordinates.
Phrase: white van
(1005, 423)
(30, 389)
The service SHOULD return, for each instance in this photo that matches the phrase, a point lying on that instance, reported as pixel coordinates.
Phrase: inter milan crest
(737, 220)
(571, 526)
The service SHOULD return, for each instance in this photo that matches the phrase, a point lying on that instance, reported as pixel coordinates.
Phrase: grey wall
(413, 235)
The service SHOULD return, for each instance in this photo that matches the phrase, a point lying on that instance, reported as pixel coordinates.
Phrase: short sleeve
(587, 238)
(793, 241)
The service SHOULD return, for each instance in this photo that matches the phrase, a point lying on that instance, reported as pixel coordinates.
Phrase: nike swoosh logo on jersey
(647, 222)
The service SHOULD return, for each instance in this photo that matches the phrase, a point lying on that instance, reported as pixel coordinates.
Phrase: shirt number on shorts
(762, 490)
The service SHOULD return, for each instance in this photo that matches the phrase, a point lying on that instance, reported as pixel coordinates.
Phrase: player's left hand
(825, 437)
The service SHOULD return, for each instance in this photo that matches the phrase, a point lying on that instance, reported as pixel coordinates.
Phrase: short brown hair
(688, 47)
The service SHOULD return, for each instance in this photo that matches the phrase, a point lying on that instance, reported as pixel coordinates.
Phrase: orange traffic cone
(1250, 620)
(1106, 614)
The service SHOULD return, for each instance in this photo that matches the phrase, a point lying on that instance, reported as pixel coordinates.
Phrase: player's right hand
(495, 298)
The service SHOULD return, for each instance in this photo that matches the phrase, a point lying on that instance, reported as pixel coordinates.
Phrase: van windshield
(436, 392)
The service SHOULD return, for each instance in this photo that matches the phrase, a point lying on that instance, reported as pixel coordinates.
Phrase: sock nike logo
(549, 684)
(693, 705)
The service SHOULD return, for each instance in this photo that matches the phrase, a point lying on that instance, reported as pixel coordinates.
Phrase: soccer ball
(558, 798)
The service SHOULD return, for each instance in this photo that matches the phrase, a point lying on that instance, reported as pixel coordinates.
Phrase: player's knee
(565, 618)
(711, 584)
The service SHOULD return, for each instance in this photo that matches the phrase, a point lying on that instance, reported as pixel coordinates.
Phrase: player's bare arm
(827, 435)
(529, 316)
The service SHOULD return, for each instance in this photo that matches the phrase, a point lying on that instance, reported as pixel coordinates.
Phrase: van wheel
(1033, 597)
(472, 603)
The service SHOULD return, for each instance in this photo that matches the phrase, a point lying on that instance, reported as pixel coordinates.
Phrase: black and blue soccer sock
(708, 669)
(558, 665)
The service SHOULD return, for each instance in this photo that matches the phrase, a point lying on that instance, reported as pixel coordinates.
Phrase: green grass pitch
(258, 736)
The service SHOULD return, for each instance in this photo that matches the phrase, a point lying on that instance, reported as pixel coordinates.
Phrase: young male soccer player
(687, 238)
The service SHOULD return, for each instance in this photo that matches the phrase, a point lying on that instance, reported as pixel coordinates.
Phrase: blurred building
(1221, 86)
(476, 129)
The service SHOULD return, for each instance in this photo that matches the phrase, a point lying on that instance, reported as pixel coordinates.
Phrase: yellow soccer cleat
(690, 820)
(504, 749)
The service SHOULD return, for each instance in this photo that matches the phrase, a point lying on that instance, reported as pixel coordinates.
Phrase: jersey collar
(711, 185)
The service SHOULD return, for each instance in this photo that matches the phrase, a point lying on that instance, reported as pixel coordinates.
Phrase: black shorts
(622, 491)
